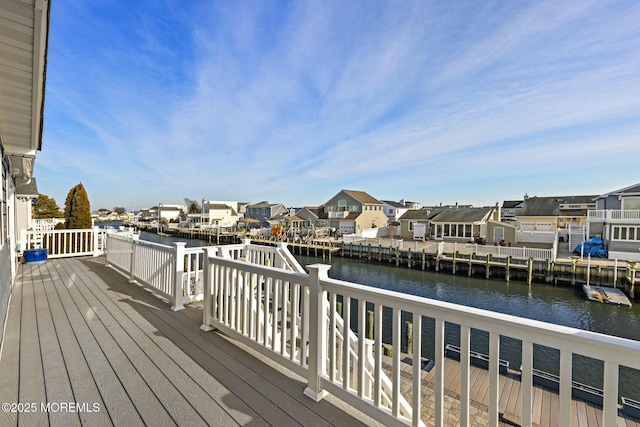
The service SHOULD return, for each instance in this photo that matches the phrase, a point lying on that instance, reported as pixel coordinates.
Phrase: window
(626, 233)
(411, 224)
(630, 203)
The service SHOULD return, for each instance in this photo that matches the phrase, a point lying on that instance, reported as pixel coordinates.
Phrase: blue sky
(473, 102)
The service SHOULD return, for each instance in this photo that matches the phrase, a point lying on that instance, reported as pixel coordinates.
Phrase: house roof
(316, 211)
(420, 214)
(23, 49)
(632, 189)
(263, 204)
(511, 204)
(394, 204)
(550, 206)
(462, 215)
(363, 197)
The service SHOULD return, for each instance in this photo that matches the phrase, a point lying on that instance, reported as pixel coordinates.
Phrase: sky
(473, 102)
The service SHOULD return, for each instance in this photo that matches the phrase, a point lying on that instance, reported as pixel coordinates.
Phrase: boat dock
(606, 295)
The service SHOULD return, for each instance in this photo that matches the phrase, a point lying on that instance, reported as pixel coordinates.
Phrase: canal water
(560, 305)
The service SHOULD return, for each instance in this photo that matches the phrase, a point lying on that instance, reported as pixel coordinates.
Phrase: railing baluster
(465, 368)
(362, 308)
(396, 340)
(526, 386)
(439, 356)
(346, 345)
(565, 387)
(295, 322)
(417, 369)
(377, 334)
(494, 377)
(610, 400)
(332, 336)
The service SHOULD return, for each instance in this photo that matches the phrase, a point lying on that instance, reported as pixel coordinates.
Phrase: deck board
(166, 357)
(32, 389)
(56, 377)
(80, 376)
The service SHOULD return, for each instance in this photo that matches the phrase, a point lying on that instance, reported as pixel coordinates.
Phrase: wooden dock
(606, 295)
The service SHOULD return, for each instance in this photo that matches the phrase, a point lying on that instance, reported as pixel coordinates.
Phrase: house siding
(6, 256)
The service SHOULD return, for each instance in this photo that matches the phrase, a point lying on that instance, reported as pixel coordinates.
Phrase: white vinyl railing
(170, 270)
(292, 318)
(65, 243)
(614, 214)
(514, 252)
(177, 271)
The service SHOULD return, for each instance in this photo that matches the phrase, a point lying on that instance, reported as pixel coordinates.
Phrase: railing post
(95, 234)
(317, 332)
(132, 263)
(177, 277)
(207, 289)
(106, 250)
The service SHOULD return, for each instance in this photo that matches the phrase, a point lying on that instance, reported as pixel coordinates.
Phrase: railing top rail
(269, 271)
(140, 242)
(621, 350)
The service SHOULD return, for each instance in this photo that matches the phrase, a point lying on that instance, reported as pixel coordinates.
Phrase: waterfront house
(394, 210)
(264, 211)
(616, 218)
(220, 214)
(508, 211)
(416, 223)
(463, 223)
(352, 211)
(538, 219)
(292, 224)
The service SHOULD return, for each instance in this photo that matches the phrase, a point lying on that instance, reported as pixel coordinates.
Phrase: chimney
(526, 196)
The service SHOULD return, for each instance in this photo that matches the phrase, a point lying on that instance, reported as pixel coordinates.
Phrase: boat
(606, 295)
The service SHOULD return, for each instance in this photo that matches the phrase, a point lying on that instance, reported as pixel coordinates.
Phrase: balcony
(278, 350)
(614, 215)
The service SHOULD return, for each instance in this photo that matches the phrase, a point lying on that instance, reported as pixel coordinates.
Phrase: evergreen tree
(46, 207)
(77, 211)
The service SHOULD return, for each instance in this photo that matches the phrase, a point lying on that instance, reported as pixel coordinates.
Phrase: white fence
(173, 271)
(433, 247)
(65, 243)
(177, 271)
(292, 318)
(369, 233)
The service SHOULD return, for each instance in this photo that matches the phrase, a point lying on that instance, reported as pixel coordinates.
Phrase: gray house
(617, 220)
(264, 211)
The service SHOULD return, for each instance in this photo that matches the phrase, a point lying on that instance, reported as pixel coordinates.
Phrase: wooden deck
(78, 332)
